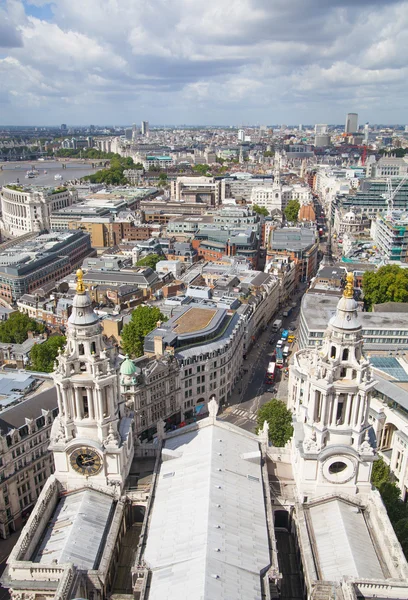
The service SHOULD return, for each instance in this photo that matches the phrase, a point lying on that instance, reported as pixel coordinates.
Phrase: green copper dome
(128, 367)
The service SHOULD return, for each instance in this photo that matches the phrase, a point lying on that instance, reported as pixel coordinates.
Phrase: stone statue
(161, 434)
(213, 407)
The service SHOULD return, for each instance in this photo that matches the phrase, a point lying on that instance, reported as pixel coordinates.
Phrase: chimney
(158, 345)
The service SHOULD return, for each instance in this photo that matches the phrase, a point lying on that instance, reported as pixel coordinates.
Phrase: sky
(205, 62)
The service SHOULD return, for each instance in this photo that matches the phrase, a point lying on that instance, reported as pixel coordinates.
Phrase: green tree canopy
(43, 355)
(269, 153)
(144, 319)
(114, 175)
(201, 169)
(15, 329)
(150, 260)
(387, 284)
(279, 419)
(261, 210)
(401, 529)
(292, 210)
(397, 510)
(380, 473)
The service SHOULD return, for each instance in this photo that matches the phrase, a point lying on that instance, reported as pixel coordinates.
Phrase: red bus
(270, 373)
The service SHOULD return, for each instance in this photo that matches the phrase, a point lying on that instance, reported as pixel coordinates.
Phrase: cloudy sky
(203, 61)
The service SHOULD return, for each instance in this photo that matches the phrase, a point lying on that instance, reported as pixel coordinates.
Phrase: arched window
(333, 352)
(81, 349)
(82, 366)
(93, 348)
(345, 354)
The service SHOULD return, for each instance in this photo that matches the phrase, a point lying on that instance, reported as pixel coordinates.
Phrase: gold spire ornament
(80, 286)
(349, 289)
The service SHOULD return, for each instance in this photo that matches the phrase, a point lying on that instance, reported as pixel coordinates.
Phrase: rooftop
(193, 320)
(342, 542)
(76, 531)
(208, 535)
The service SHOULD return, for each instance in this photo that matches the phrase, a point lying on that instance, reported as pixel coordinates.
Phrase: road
(251, 393)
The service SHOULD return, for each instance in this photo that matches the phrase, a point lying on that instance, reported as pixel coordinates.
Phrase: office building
(351, 125)
(201, 190)
(391, 236)
(145, 128)
(25, 461)
(41, 260)
(382, 332)
(27, 209)
(300, 245)
(128, 134)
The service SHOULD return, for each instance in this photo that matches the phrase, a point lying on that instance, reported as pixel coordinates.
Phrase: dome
(350, 216)
(82, 311)
(346, 316)
(128, 367)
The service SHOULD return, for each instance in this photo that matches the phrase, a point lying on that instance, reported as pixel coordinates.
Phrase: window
(333, 352)
(345, 354)
(81, 349)
(337, 467)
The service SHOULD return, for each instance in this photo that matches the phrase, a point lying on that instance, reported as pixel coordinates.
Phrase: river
(11, 171)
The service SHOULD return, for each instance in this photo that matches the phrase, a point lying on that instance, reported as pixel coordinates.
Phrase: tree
(261, 210)
(380, 473)
(150, 260)
(15, 329)
(387, 284)
(42, 356)
(390, 494)
(292, 210)
(401, 529)
(279, 419)
(268, 154)
(202, 169)
(144, 319)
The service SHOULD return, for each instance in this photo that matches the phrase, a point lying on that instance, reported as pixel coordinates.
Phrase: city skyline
(202, 62)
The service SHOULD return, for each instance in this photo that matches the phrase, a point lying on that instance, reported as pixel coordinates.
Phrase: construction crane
(390, 195)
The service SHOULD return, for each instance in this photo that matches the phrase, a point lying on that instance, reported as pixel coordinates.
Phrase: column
(348, 409)
(334, 414)
(361, 411)
(65, 402)
(78, 410)
(98, 404)
(324, 409)
(59, 400)
(354, 410)
(89, 395)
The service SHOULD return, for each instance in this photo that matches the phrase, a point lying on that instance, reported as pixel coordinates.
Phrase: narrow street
(251, 393)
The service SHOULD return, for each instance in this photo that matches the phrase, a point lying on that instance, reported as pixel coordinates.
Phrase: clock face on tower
(86, 461)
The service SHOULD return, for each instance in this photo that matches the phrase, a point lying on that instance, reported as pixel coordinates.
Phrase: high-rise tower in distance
(145, 128)
(351, 125)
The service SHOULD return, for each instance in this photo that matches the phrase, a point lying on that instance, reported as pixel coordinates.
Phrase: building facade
(25, 461)
(28, 209)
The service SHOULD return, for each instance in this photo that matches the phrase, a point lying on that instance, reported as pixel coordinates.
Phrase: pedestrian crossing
(244, 414)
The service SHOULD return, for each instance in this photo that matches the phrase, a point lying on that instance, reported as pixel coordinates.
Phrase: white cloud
(267, 60)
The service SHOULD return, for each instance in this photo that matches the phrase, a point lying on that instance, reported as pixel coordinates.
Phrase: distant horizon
(200, 125)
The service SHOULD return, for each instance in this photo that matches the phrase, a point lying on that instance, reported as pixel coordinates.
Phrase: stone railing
(37, 521)
(390, 589)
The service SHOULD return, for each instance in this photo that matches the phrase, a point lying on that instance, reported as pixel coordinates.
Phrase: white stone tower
(329, 391)
(89, 439)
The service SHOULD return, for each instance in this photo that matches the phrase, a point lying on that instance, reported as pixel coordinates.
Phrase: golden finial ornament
(349, 289)
(80, 287)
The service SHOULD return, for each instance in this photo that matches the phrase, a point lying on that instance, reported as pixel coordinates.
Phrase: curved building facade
(28, 209)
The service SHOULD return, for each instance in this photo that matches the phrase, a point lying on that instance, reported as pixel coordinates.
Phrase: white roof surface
(76, 530)
(208, 537)
(343, 543)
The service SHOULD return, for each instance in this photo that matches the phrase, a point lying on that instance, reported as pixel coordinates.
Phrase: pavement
(250, 393)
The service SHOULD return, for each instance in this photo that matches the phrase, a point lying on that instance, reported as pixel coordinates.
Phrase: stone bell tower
(88, 438)
(329, 391)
